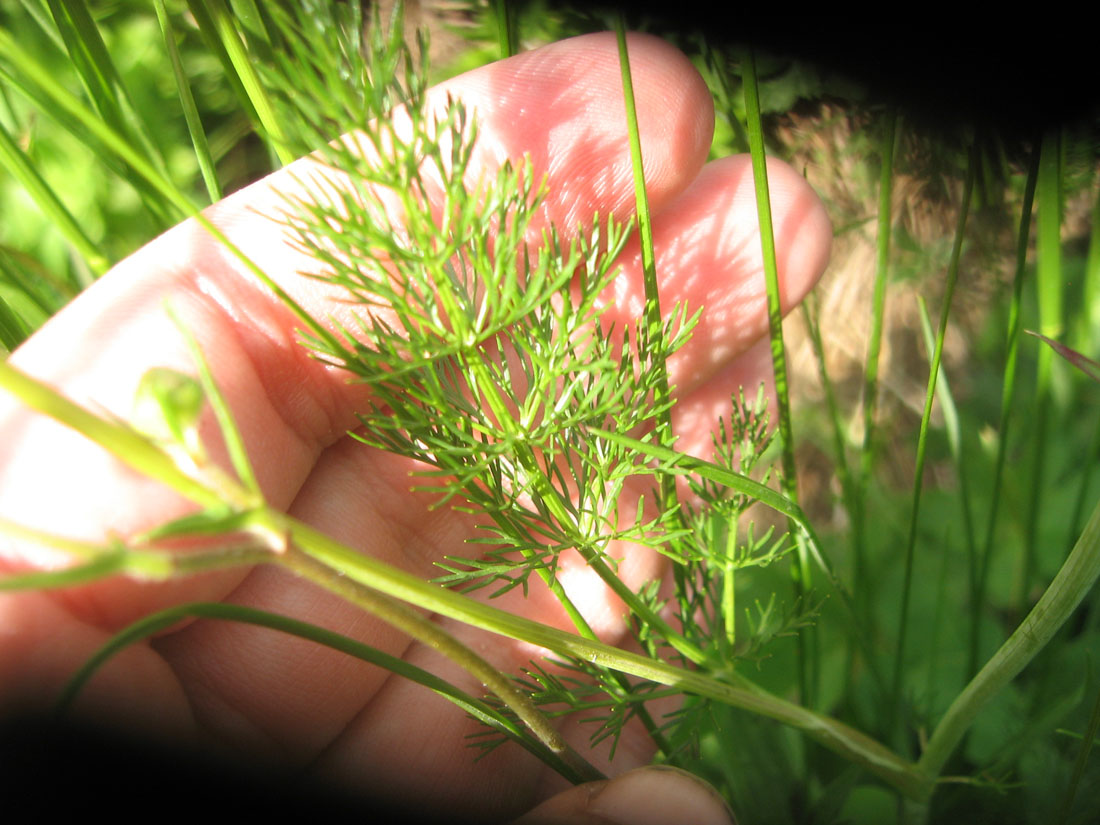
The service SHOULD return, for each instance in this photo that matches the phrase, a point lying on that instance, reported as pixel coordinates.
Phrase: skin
(269, 697)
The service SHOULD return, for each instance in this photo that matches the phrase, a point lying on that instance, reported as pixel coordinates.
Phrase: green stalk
(1070, 586)
(430, 634)
(954, 435)
(1091, 309)
(922, 443)
(123, 442)
(979, 578)
(231, 40)
(651, 335)
(91, 60)
(143, 564)
(653, 329)
(844, 474)
(809, 664)
(150, 625)
(20, 167)
(1049, 274)
(13, 331)
(507, 28)
(870, 374)
(190, 110)
(736, 690)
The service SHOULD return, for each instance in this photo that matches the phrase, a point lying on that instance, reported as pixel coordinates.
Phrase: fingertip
(562, 106)
(655, 795)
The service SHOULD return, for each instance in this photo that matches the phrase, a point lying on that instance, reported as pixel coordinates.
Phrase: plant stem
(979, 577)
(156, 622)
(808, 658)
(651, 338)
(737, 691)
(123, 442)
(922, 444)
(1049, 277)
(1072, 583)
(870, 375)
(428, 633)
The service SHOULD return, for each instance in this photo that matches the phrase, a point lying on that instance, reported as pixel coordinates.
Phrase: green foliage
(552, 432)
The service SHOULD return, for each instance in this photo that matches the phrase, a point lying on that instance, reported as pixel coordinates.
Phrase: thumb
(657, 795)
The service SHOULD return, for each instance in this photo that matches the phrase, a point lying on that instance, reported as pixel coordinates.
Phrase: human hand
(264, 695)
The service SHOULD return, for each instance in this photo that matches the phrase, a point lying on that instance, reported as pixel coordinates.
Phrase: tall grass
(949, 574)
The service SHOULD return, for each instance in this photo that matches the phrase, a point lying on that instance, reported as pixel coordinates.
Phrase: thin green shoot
(979, 575)
(224, 25)
(163, 619)
(858, 504)
(652, 331)
(507, 20)
(234, 444)
(922, 446)
(953, 432)
(19, 166)
(1091, 315)
(1087, 742)
(1047, 379)
(13, 331)
(809, 664)
(1069, 587)
(103, 84)
(190, 110)
(117, 143)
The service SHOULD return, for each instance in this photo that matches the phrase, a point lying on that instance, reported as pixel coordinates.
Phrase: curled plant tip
(167, 406)
(1086, 365)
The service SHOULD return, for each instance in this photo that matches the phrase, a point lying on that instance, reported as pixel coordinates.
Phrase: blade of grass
(97, 71)
(844, 476)
(12, 329)
(209, 34)
(103, 85)
(21, 168)
(870, 373)
(232, 42)
(809, 665)
(894, 707)
(652, 330)
(190, 110)
(30, 279)
(1082, 760)
(954, 435)
(507, 27)
(1049, 277)
(979, 576)
(1091, 309)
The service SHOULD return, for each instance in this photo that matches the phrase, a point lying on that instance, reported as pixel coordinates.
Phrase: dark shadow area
(68, 772)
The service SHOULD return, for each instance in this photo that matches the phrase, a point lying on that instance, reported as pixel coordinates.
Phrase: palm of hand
(267, 694)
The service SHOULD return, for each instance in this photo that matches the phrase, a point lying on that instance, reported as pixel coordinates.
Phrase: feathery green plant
(555, 434)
